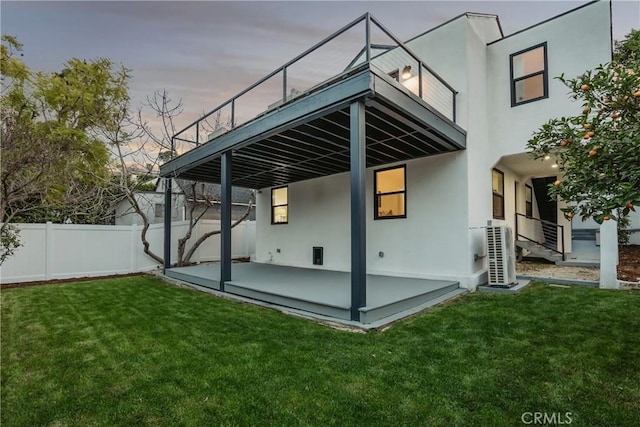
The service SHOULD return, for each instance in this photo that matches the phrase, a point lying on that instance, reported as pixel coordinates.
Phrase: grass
(138, 351)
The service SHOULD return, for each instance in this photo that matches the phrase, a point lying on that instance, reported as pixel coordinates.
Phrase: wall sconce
(406, 72)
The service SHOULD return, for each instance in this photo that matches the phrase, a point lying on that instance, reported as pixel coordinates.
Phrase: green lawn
(137, 351)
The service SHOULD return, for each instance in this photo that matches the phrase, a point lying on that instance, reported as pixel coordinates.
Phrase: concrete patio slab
(323, 292)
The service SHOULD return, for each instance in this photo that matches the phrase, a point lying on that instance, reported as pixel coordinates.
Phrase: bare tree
(134, 143)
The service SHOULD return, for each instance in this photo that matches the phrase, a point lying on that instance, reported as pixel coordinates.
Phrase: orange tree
(598, 149)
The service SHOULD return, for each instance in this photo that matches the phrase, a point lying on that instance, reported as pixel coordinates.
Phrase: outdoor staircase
(539, 251)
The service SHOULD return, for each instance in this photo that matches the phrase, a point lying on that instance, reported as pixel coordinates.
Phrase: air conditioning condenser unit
(501, 254)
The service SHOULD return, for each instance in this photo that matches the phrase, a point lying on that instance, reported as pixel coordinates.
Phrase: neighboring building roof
(238, 195)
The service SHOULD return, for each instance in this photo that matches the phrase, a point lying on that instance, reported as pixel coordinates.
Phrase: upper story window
(390, 190)
(497, 184)
(529, 75)
(280, 205)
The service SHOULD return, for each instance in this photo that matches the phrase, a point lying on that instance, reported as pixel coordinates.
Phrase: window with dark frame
(528, 200)
(529, 75)
(280, 205)
(497, 184)
(390, 186)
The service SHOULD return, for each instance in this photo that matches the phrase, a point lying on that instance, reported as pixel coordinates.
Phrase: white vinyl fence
(61, 251)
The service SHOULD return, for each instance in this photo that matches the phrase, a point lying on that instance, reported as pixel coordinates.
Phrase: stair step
(539, 250)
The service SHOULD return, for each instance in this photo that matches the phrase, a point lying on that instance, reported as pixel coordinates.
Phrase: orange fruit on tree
(570, 215)
(565, 143)
(637, 94)
(585, 87)
(606, 218)
(615, 115)
(591, 133)
(630, 205)
(593, 153)
(586, 110)
(558, 182)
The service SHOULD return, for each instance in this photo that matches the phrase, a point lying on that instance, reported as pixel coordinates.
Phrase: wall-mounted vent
(501, 254)
(318, 255)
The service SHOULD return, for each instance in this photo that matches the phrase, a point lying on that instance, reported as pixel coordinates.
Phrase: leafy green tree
(598, 150)
(54, 163)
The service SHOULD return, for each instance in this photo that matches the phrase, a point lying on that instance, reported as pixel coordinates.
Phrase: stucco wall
(576, 42)
(448, 196)
(125, 215)
(430, 242)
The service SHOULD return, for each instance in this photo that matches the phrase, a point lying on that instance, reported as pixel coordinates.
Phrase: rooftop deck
(293, 125)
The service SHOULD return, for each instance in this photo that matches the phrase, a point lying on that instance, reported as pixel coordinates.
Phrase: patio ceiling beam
(310, 167)
(425, 131)
(304, 150)
(295, 168)
(399, 136)
(329, 135)
(372, 152)
(383, 125)
(419, 111)
(305, 143)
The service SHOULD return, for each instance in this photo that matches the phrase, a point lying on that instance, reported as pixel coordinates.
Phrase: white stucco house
(152, 203)
(393, 166)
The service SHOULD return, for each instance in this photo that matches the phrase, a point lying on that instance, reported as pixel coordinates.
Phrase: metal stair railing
(548, 230)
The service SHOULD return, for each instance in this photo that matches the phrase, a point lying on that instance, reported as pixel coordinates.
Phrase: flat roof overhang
(309, 137)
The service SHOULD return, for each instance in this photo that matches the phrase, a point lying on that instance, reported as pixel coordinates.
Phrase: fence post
(134, 249)
(245, 240)
(196, 234)
(48, 238)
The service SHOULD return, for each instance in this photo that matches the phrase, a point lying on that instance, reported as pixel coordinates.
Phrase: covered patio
(322, 292)
(363, 117)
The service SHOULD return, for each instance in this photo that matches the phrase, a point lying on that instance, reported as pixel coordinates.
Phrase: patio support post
(358, 223)
(225, 219)
(167, 224)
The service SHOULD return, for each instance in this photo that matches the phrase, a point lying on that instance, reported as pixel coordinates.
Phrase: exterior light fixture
(554, 165)
(547, 157)
(406, 72)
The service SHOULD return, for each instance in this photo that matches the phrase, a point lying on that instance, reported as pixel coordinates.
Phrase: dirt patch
(629, 263)
(539, 268)
(628, 268)
(71, 280)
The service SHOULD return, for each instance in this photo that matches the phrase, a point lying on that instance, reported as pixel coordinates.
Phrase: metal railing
(541, 232)
(281, 86)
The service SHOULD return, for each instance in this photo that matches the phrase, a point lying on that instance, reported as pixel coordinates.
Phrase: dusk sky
(205, 52)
